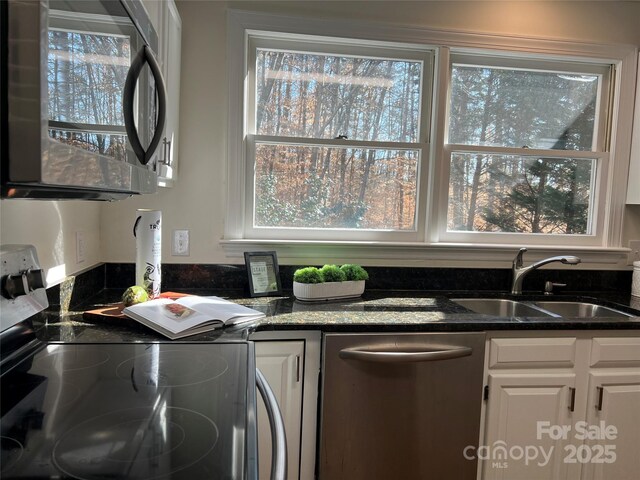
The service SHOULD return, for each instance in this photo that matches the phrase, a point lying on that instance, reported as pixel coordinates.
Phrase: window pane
(523, 194)
(323, 96)
(86, 75)
(114, 146)
(327, 187)
(522, 108)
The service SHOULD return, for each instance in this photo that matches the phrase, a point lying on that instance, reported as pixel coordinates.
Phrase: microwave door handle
(162, 103)
(128, 108)
(144, 56)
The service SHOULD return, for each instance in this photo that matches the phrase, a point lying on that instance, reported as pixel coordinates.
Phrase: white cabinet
(531, 383)
(290, 362)
(168, 25)
(518, 402)
(614, 400)
(281, 363)
(537, 386)
(633, 189)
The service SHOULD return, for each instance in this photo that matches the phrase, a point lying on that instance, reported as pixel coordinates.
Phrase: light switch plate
(81, 248)
(180, 243)
(634, 255)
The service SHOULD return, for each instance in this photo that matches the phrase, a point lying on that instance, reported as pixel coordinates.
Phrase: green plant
(354, 272)
(308, 275)
(332, 273)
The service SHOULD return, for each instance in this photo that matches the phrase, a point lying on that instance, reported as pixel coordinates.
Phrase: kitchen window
(337, 139)
(424, 144)
(526, 149)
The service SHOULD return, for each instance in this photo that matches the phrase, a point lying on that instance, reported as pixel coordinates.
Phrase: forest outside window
(525, 148)
(337, 138)
(83, 53)
(456, 145)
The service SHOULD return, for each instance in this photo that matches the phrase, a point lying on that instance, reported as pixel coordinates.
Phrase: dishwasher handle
(421, 353)
(278, 437)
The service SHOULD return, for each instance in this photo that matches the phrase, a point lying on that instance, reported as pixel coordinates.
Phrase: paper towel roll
(148, 233)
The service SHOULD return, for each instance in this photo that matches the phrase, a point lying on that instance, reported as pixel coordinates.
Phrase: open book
(190, 315)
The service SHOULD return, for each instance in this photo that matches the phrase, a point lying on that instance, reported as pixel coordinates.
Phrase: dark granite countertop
(376, 310)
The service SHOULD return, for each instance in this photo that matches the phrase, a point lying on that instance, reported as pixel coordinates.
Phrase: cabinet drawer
(533, 352)
(615, 352)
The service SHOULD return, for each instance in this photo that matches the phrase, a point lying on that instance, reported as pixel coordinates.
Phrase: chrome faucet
(519, 272)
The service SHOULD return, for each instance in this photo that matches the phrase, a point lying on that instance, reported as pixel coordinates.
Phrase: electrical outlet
(180, 244)
(81, 248)
(634, 255)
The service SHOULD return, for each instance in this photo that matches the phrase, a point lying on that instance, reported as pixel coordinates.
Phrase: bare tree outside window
(333, 97)
(519, 194)
(349, 188)
(521, 109)
(86, 75)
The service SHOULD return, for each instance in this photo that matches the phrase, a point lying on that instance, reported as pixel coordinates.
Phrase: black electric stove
(89, 411)
(135, 411)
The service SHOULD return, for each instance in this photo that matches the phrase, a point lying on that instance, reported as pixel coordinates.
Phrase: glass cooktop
(134, 411)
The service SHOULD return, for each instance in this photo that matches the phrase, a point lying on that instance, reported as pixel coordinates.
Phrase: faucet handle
(548, 287)
(517, 262)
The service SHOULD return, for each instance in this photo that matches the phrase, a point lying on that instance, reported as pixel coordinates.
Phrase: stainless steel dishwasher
(400, 406)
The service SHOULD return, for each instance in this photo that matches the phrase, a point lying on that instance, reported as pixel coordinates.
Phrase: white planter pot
(316, 292)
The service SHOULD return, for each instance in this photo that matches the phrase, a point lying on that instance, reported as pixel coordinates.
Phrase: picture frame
(263, 273)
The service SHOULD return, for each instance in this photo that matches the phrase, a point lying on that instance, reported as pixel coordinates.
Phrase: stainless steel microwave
(83, 100)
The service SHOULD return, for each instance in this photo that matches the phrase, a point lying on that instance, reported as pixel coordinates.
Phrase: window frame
(433, 250)
(598, 152)
(337, 46)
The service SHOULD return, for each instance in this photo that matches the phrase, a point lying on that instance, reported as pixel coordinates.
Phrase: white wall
(591, 21)
(51, 227)
(197, 202)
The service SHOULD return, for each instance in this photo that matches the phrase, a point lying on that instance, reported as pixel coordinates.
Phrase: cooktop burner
(100, 447)
(62, 360)
(174, 368)
(135, 411)
(12, 450)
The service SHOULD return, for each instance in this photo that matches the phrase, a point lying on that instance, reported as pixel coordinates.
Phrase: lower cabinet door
(523, 440)
(613, 423)
(281, 362)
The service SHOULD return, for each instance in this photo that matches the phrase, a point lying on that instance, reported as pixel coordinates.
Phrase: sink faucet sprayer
(519, 272)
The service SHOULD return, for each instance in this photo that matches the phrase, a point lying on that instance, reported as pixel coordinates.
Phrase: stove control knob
(35, 278)
(15, 285)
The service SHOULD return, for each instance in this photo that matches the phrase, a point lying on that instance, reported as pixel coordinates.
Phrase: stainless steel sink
(500, 308)
(581, 310)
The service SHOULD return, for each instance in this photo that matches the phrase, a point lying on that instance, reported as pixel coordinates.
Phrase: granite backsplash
(234, 277)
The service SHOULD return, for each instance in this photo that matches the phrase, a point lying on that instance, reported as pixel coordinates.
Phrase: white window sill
(296, 252)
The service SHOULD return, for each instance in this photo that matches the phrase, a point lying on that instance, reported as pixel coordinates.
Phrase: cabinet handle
(572, 402)
(166, 152)
(422, 353)
(297, 368)
(600, 391)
